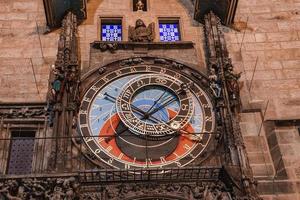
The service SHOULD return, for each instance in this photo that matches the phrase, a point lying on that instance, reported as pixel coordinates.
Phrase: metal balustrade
(63, 155)
(187, 174)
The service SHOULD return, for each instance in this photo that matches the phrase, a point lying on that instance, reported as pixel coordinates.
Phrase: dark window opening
(169, 30)
(111, 30)
(139, 5)
(21, 152)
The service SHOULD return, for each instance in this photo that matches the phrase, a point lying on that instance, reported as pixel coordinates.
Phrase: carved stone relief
(141, 33)
(50, 189)
(23, 112)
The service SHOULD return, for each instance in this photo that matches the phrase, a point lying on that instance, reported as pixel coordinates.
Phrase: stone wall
(24, 50)
(264, 44)
(267, 38)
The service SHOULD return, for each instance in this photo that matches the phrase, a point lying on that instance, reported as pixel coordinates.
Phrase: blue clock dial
(152, 98)
(146, 116)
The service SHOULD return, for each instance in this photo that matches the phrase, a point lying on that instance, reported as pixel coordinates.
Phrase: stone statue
(141, 33)
(140, 6)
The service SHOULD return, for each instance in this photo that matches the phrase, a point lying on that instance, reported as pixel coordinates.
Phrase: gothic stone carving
(224, 83)
(141, 33)
(46, 189)
(188, 191)
(23, 112)
(112, 47)
(132, 61)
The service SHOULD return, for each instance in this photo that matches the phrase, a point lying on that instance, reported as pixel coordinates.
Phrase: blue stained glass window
(169, 32)
(111, 32)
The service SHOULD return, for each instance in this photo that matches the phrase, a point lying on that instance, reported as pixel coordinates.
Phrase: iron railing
(69, 155)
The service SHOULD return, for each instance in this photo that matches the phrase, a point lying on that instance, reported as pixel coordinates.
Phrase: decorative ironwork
(21, 153)
(150, 174)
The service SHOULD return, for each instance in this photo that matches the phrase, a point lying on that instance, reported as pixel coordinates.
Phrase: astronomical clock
(146, 120)
(147, 116)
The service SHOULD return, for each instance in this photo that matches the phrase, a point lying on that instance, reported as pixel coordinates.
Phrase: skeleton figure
(141, 33)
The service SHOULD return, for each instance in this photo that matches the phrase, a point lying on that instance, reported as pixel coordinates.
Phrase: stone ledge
(276, 187)
(113, 46)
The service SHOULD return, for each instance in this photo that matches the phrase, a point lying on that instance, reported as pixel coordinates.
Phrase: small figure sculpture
(141, 33)
(140, 5)
(215, 84)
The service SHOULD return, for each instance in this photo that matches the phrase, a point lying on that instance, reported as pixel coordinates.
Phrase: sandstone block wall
(268, 40)
(264, 45)
(24, 48)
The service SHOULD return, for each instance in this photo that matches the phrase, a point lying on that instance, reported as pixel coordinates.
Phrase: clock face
(146, 116)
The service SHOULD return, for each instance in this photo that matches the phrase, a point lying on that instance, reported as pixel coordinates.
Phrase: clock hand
(169, 101)
(132, 106)
(155, 102)
(113, 98)
(146, 115)
(140, 111)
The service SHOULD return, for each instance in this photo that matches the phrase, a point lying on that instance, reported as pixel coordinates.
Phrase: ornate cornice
(24, 111)
(114, 46)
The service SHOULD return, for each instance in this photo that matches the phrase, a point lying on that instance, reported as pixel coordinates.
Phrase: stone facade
(25, 49)
(264, 44)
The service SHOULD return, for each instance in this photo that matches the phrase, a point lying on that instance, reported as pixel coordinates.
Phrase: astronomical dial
(152, 117)
(146, 116)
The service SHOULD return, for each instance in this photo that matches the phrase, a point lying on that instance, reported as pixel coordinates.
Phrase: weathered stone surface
(272, 39)
(276, 187)
(22, 41)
